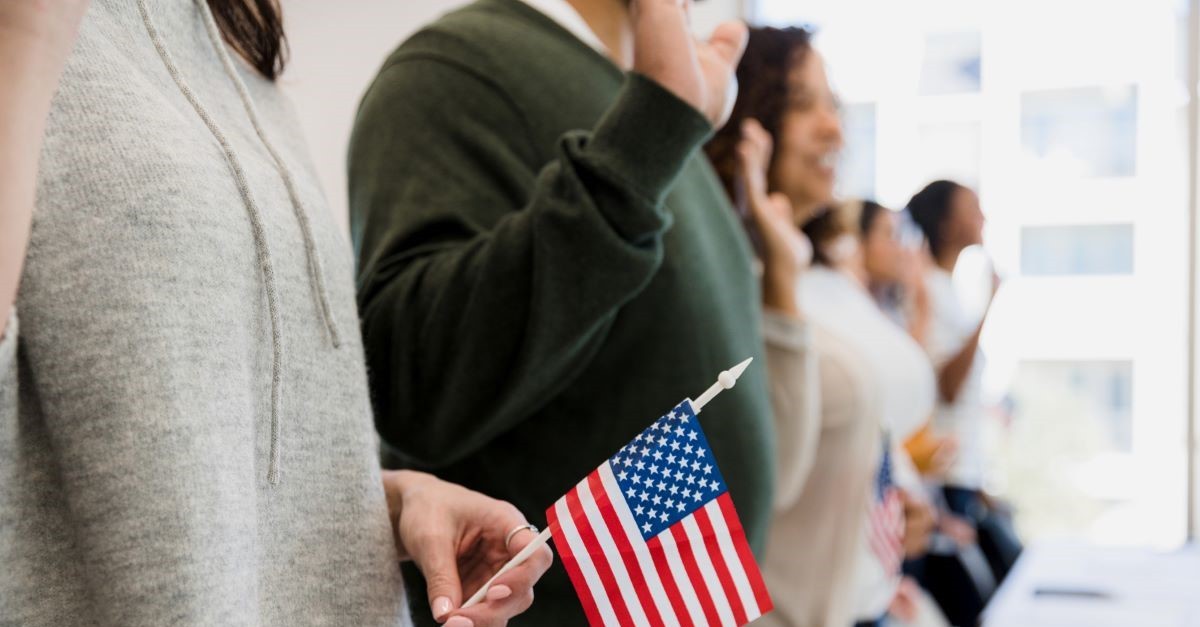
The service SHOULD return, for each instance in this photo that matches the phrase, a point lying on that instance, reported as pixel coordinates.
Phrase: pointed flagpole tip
(729, 377)
(737, 370)
(725, 380)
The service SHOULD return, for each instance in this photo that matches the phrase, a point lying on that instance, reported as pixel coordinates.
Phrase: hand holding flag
(457, 538)
(651, 538)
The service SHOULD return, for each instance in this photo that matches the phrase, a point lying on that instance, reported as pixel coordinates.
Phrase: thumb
(728, 40)
(439, 565)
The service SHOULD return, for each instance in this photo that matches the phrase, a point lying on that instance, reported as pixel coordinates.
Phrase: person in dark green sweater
(547, 263)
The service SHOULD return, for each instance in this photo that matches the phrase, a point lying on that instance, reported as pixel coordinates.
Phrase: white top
(901, 370)
(875, 587)
(901, 374)
(567, 17)
(949, 329)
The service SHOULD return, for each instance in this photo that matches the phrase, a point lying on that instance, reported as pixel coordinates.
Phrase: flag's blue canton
(883, 480)
(668, 471)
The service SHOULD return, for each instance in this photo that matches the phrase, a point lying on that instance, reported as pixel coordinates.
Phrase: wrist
(30, 47)
(779, 293)
(398, 485)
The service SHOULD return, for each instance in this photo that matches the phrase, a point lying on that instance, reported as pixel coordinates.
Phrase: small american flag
(651, 539)
(885, 525)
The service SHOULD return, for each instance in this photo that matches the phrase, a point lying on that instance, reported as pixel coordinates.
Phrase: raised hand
(786, 245)
(914, 265)
(702, 74)
(787, 252)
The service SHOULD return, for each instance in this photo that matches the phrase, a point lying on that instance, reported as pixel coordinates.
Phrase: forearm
(918, 327)
(918, 330)
(35, 39)
(954, 373)
(470, 335)
(779, 292)
(469, 340)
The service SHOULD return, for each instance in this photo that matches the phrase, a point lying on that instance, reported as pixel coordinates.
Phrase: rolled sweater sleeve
(487, 285)
(795, 400)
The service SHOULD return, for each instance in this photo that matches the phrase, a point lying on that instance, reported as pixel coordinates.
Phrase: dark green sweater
(547, 263)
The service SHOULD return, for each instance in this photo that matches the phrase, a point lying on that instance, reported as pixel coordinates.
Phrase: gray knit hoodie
(185, 431)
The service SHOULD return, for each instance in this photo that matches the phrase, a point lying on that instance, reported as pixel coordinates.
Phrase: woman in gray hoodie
(185, 429)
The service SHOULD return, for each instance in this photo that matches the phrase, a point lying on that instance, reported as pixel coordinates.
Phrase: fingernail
(495, 593)
(441, 607)
(460, 621)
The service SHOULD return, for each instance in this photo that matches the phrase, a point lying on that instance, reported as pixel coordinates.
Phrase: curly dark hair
(771, 55)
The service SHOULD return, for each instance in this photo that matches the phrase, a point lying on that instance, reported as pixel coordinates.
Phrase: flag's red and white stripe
(697, 573)
(885, 530)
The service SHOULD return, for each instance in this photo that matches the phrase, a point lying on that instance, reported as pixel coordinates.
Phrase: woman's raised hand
(787, 252)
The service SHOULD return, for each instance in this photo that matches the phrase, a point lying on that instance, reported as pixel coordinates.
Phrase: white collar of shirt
(567, 17)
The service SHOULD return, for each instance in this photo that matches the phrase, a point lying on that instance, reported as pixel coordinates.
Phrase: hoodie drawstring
(316, 272)
(261, 246)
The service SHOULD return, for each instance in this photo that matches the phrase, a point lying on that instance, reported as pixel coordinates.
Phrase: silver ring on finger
(516, 530)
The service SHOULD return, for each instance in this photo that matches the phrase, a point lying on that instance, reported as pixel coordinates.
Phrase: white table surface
(1099, 587)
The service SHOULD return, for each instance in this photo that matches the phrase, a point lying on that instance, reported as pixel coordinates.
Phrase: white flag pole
(516, 561)
(725, 380)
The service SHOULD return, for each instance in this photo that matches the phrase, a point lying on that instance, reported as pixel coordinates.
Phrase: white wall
(338, 46)
(336, 49)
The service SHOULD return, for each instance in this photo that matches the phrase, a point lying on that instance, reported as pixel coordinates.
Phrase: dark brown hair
(930, 208)
(771, 56)
(254, 29)
(855, 217)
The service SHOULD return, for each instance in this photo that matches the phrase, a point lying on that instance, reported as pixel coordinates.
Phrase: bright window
(951, 63)
(1068, 117)
(1077, 249)
(1088, 130)
(856, 171)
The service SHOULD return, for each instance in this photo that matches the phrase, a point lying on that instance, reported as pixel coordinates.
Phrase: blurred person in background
(775, 160)
(777, 166)
(938, 543)
(899, 518)
(185, 425)
(895, 264)
(950, 217)
(896, 268)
